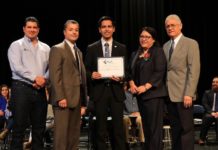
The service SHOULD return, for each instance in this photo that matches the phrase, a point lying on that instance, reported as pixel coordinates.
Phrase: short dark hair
(105, 18)
(151, 31)
(70, 21)
(31, 19)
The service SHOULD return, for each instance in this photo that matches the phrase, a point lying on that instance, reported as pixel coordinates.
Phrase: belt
(18, 82)
(107, 83)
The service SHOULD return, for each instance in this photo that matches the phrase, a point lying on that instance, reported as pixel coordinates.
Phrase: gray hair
(174, 17)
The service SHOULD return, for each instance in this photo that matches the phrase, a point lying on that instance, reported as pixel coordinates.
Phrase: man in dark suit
(183, 72)
(68, 88)
(210, 103)
(108, 94)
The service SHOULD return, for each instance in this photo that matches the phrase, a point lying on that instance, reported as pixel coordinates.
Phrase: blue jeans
(29, 107)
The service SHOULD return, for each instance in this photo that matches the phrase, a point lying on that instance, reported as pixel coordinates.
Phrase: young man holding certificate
(106, 90)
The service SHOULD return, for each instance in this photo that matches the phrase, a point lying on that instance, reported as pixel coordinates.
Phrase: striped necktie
(106, 52)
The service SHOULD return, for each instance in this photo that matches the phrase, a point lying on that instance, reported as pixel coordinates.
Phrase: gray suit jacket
(65, 76)
(183, 69)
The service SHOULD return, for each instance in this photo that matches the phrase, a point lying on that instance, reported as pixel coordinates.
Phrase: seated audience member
(49, 124)
(131, 109)
(210, 103)
(2, 111)
(3, 105)
(7, 113)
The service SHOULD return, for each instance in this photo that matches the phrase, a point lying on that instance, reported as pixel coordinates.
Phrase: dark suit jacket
(207, 101)
(65, 76)
(152, 71)
(96, 87)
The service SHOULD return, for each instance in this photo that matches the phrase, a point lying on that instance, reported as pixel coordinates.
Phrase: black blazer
(207, 100)
(152, 71)
(96, 87)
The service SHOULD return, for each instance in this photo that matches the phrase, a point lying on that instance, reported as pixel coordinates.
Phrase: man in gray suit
(68, 88)
(183, 71)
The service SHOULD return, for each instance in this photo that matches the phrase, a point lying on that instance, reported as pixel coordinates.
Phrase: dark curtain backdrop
(198, 19)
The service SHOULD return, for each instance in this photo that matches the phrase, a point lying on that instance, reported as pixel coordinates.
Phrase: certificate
(111, 66)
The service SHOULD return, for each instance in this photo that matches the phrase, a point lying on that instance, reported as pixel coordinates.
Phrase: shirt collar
(28, 39)
(176, 40)
(109, 42)
(70, 44)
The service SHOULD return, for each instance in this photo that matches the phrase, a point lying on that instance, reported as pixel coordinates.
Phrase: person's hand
(62, 103)
(2, 113)
(40, 81)
(136, 114)
(216, 115)
(115, 78)
(141, 89)
(36, 86)
(187, 101)
(213, 114)
(96, 75)
(83, 110)
(133, 89)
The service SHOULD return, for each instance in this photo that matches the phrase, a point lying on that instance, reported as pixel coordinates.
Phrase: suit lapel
(115, 51)
(176, 52)
(69, 53)
(211, 94)
(177, 49)
(167, 51)
(99, 49)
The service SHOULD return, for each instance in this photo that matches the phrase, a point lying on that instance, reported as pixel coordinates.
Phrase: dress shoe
(3, 134)
(201, 142)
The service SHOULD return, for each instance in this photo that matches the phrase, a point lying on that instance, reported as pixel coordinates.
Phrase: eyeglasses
(170, 26)
(144, 37)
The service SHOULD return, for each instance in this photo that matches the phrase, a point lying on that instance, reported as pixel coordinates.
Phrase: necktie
(77, 55)
(171, 49)
(106, 52)
(78, 61)
(216, 103)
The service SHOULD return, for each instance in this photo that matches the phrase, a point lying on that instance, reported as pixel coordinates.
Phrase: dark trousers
(182, 125)
(152, 119)
(109, 104)
(2, 122)
(29, 107)
(208, 119)
(10, 123)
